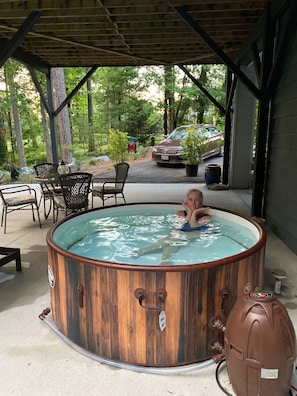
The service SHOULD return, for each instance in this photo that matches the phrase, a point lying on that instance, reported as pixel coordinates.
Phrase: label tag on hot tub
(51, 278)
(269, 373)
(162, 320)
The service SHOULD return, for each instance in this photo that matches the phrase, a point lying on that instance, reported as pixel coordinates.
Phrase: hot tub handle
(80, 290)
(224, 293)
(160, 294)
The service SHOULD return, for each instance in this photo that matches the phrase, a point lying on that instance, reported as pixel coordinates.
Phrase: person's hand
(188, 211)
(201, 220)
(204, 219)
(199, 210)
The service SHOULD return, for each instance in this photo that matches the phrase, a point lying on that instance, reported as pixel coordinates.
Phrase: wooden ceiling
(127, 32)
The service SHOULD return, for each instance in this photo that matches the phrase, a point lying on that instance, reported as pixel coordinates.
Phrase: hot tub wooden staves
(148, 316)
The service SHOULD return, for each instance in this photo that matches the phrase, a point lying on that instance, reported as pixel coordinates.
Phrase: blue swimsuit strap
(187, 228)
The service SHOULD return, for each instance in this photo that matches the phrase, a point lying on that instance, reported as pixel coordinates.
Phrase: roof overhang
(85, 33)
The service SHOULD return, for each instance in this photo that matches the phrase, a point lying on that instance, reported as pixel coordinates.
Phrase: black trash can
(14, 173)
(212, 174)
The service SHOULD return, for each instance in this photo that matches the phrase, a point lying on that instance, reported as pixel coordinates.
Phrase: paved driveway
(149, 172)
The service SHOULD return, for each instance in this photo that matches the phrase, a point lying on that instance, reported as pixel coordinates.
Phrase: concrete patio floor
(35, 361)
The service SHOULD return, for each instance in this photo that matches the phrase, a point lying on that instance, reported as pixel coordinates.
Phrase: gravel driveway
(149, 172)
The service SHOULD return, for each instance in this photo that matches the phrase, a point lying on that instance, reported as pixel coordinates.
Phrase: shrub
(118, 146)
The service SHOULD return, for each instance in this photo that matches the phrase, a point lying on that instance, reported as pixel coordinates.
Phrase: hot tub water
(114, 238)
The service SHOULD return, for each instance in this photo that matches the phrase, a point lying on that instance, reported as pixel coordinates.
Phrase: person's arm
(188, 211)
(190, 217)
(181, 213)
(186, 214)
(202, 217)
(195, 218)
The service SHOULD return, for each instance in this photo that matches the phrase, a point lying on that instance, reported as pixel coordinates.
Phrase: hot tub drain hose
(142, 369)
(218, 380)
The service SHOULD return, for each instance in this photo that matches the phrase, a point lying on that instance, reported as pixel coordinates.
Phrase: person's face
(194, 201)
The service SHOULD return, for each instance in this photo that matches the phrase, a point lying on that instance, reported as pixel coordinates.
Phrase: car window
(203, 131)
(207, 133)
(178, 134)
(212, 131)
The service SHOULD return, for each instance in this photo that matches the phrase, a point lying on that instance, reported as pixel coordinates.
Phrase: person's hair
(198, 192)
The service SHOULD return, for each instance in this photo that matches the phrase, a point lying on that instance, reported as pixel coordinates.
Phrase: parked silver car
(168, 151)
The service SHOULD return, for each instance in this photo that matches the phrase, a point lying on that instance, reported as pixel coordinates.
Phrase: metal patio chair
(106, 188)
(46, 176)
(19, 197)
(75, 189)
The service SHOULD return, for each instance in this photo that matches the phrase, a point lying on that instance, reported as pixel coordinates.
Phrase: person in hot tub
(195, 218)
(195, 213)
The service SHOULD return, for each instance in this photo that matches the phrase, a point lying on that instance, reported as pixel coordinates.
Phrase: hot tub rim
(160, 268)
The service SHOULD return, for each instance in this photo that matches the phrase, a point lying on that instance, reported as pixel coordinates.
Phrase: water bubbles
(115, 238)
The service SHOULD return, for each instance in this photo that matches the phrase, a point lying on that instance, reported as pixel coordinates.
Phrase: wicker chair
(19, 197)
(44, 173)
(75, 190)
(106, 188)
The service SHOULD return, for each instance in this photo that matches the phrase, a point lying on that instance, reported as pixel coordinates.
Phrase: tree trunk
(90, 117)
(9, 123)
(46, 131)
(63, 120)
(18, 135)
(16, 118)
(169, 114)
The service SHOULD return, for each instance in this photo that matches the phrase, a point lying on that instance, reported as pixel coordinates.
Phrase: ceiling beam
(19, 36)
(200, 86)
(75, 90)
(217, 50)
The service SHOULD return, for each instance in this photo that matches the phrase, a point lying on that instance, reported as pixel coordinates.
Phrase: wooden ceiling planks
(128, 32)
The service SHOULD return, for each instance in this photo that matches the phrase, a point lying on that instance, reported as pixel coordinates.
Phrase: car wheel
(221, 152)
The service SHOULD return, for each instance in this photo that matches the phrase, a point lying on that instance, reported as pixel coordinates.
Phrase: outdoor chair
(8, 254)
(46, 175)
(19, 197)
(106, 188)
(75, 189)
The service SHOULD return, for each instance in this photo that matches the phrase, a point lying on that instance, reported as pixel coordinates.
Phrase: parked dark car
(168, 151)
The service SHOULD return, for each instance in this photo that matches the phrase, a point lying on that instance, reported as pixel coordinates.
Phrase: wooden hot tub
(113, 310)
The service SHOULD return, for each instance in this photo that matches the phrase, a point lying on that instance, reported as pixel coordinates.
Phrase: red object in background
(132, 144)
(3, 131)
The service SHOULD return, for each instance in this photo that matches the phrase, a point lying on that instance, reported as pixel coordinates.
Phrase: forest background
(145, 103)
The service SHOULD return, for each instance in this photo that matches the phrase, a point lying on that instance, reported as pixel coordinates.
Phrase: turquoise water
(119, 235)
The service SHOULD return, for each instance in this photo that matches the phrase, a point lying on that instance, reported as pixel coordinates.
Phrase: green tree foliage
(182, 102)
(3, 150)
(118, 144)
(78, 107)
(119, 100)
(20, 92)
(191, 105)
(193, 147)
(129, 99)
(142, 121)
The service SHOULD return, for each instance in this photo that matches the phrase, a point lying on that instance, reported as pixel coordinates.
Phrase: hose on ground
(218, 380)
